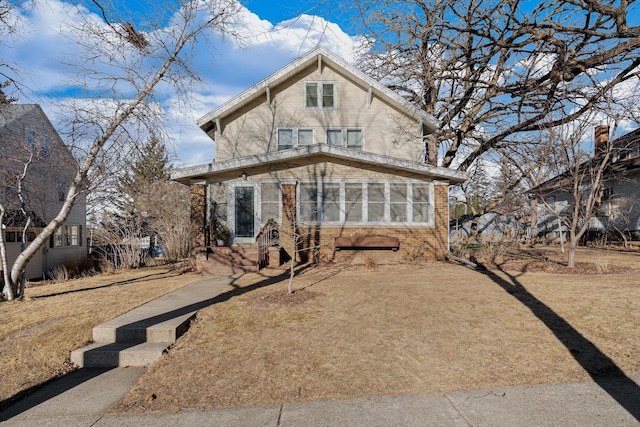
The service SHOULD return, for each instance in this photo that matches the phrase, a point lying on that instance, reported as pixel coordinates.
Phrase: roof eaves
(431, 122)
(337, 152)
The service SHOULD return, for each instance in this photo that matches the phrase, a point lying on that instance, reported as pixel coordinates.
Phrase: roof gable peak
(321, 55)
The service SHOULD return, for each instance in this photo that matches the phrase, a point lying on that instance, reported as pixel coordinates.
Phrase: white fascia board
(239, 164)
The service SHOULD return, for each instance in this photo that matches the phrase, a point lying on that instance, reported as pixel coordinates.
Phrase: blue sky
(279, 35)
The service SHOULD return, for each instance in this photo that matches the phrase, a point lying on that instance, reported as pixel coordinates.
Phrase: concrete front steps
(142, 335)
(225, 260)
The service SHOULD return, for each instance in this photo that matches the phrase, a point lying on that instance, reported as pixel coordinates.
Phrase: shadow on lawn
(147, 278)
(38, 394)
(597, 364)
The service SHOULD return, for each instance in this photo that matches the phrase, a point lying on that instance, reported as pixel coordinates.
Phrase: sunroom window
(352, 202)
(308, 202)
(421, 202)
(270, 201)
(375, 202)
(331, 202)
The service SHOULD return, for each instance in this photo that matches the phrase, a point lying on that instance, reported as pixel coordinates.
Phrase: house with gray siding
(27, 138)
(618, 204)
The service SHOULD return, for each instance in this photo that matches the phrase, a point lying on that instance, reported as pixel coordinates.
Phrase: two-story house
(328, 152)
(617, 213)
(29, 144)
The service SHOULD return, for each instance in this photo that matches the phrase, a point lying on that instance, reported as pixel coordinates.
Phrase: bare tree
(524, 167)
(116, 57)
(620, 215)
(574, 195)
(492, 71)
(8, 30)
(167, 216)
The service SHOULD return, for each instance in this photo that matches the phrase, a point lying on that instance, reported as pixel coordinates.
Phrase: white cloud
(226, 67)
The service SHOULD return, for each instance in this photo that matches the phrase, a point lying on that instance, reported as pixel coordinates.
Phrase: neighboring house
(618, 207)
(321, 147)
(491, 226)
(27, 135)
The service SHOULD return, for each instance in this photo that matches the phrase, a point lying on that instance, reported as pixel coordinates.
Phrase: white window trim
(343, 136)
(319, 84)
(258, 221)
(278, 218)
(294, 137)
(365, 199)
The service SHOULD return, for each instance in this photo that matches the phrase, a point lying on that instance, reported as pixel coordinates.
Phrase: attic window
(319, 95)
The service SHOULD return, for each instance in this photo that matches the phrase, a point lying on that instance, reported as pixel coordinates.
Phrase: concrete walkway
(84, 397)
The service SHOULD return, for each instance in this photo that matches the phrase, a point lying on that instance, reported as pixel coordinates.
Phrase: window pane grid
(334, 137)
(270, 201)
(308, 202)
(376, 202)
(285, 139)
(305, 136)
(331, 202)
(366, 202)
(420, 202)
(353, 202)
(398, 204)
(312, 94)
(327, 95)
(354, 138)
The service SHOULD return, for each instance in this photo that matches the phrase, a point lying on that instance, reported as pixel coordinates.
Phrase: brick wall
(198, 217)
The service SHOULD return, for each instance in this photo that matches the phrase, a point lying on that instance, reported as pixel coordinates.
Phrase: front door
(244, 215)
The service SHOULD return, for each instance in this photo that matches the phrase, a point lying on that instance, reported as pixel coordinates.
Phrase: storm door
(244, 215)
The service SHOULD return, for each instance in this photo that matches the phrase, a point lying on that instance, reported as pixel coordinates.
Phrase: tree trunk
(571, 262)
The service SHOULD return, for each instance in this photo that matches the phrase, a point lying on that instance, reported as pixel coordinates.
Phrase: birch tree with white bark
(121, 71)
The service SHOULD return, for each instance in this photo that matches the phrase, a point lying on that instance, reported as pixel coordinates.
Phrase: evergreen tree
(4, 98)
(151, 166)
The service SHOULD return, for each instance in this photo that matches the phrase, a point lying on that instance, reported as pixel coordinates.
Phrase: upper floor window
(293, 137)
(319, 95)
(345, 137)
(61, 191)
(31, 138)
(38, 144)
(68, 235)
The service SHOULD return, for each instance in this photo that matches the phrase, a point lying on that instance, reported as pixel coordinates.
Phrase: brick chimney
(601, 139)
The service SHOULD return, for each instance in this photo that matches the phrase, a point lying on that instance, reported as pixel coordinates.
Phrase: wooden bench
(367, 242)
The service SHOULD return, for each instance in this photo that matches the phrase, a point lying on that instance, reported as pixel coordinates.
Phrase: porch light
(244, 176)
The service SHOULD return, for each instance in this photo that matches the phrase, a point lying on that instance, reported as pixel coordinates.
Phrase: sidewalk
(557, 404)
(84, 397)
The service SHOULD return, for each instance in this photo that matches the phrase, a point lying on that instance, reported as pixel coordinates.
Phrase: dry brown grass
(37, 334)
(401, 330)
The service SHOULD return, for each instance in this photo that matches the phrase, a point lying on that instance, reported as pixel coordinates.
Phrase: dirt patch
(282, 298)
(544, 259)
(398, 329)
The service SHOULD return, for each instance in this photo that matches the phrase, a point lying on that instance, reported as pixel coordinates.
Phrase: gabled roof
(11, 112)
(311, 155)
(14, 218)
(318, 55)
(614, 170)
